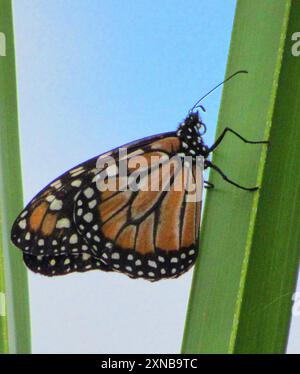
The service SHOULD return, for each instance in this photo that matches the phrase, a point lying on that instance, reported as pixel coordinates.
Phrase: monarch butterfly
(72, 225)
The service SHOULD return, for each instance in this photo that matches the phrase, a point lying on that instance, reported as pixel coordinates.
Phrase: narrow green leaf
(244, 280)
(14, 322)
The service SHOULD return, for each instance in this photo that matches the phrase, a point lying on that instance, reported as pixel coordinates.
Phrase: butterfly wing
(46, 228)
(150, 231)
(64, 264)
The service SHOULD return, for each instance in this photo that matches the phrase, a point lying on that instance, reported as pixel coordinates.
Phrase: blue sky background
(93, 75)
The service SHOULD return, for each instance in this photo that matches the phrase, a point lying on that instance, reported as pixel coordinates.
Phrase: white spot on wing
(76, 171)
(56, 204)
(24, 214)
(115, 256)
(22, 224)
(50, 198)
(86, 256)
(89, 192)
(63, 223)
(88, 217)
(152, 264)
(76, 183)
(96, 238)
(73, 239)
(57, 184)
(92, 204)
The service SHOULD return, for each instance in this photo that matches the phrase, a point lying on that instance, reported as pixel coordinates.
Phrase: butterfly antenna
(213, 89)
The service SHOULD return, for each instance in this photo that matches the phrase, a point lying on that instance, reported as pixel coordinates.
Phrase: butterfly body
(190, 135)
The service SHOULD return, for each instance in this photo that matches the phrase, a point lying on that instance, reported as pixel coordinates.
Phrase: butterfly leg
(217, 169)
(228, 129)
(208, 185)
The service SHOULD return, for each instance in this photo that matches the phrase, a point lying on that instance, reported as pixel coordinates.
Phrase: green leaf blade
(249, 253)
(15, 323)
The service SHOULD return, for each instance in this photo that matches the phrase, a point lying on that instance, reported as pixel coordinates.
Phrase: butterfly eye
(202, 129)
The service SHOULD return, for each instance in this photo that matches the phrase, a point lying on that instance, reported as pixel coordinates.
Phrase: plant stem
(15, 325)
(245, 278)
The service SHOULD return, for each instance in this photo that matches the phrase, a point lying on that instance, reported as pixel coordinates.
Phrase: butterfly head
(191, 132)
